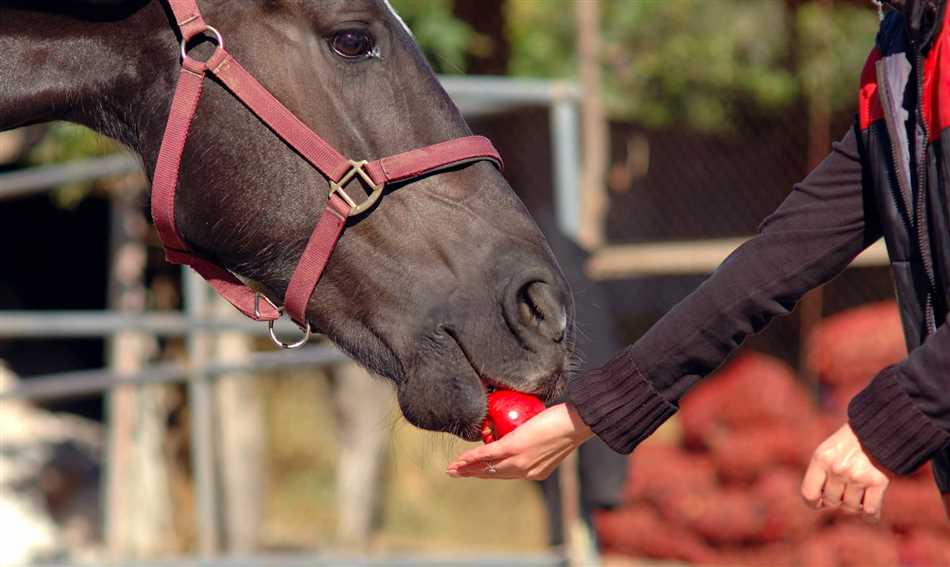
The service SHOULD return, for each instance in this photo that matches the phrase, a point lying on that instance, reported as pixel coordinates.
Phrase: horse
(446, 287)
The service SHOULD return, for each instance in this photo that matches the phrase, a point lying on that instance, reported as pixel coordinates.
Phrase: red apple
(507, 410)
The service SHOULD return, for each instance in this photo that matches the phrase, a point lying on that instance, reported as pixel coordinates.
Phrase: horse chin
(445, 393)
(453, 404)
(442, 391)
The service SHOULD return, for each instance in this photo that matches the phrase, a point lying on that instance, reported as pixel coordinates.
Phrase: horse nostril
(540, 308)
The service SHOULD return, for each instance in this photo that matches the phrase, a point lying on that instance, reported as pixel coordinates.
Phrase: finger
(851, 500)
(812, 484)
(503, 470)
(874, 500)
(492, 452)
(473, 470)
(476, 467)
(833, 491)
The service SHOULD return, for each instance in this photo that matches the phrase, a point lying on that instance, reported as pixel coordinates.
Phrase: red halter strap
(321, 155)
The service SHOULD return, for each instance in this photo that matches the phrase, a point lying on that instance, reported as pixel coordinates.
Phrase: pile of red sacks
(728, 492)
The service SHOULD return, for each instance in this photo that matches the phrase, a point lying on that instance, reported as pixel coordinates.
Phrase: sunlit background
(664, 133)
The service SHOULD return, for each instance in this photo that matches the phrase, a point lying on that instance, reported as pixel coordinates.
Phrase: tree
(697, 63)
(444, 38)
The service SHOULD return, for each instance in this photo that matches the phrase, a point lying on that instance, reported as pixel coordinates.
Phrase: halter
(339, 170)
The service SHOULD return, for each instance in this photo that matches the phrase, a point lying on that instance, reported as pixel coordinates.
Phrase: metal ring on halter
(282, 344)
(217, 39)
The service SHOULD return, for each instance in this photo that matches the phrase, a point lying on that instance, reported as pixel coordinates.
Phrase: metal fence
(475, 96)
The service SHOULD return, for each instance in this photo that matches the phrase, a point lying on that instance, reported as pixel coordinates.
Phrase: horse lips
(508, 410)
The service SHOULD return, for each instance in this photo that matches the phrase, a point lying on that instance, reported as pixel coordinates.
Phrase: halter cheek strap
(321, 155)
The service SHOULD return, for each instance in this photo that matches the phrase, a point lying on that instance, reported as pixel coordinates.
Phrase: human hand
(530, 452)
(842, 475)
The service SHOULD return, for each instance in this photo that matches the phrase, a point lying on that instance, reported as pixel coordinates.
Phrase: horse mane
(90, 10)
(47, 4)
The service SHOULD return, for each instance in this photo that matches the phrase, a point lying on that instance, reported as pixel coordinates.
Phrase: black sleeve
(821, 226)
(903, 416)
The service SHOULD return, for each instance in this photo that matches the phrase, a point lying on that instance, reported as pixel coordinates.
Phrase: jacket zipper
(919, 202)
(904, 188)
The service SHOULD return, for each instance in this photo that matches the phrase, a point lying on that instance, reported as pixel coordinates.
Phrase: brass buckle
(357, 169)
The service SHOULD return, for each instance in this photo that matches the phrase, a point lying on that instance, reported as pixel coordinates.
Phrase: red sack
(771, 555)
(723, 517)
(657, 470)
(638, 531)
(850, 545)
(746, 453)
(755, 389)
(924, 549)
(913, 503)
(787, 518)
(853, 346)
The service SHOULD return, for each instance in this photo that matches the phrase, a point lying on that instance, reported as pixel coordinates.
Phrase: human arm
(898, 421)
(814, 234)
(822, 225)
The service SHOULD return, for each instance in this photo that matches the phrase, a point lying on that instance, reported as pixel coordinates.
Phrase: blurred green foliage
(833, 47)
(445, 39)
(542, 38)
(684, 62)
(695, 62)
(64, 142)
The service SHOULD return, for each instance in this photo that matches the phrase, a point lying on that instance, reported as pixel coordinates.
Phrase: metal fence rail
(39, 179)
(85, 383)
(334, 560)
(86, 324)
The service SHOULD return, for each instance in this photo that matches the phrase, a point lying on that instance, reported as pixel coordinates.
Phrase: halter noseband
(321, 155)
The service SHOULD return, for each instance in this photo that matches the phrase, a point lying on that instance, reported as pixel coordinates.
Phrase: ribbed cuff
(891, 427)
(618, 403)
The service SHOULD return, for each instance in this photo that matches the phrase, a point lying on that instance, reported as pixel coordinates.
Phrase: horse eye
(353, 44)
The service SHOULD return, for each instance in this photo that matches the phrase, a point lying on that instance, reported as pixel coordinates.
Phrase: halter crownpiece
(322, 156)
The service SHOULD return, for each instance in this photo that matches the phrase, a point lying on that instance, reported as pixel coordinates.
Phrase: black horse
(446, 287)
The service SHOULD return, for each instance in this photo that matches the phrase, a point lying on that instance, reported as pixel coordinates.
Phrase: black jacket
(889, 176)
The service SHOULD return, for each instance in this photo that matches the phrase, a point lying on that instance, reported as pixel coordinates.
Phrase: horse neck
(59, 65)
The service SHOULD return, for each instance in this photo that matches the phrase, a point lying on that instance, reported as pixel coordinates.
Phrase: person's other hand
(842, 475)
(530, 452)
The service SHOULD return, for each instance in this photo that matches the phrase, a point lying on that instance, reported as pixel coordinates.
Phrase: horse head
(446, 287)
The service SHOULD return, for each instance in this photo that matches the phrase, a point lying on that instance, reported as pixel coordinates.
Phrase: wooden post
(594, 134)
(138, 519)
(201, 408)
(359, 399)
(819, 143)
(241, 440)
(576, 544)
(590, 235)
